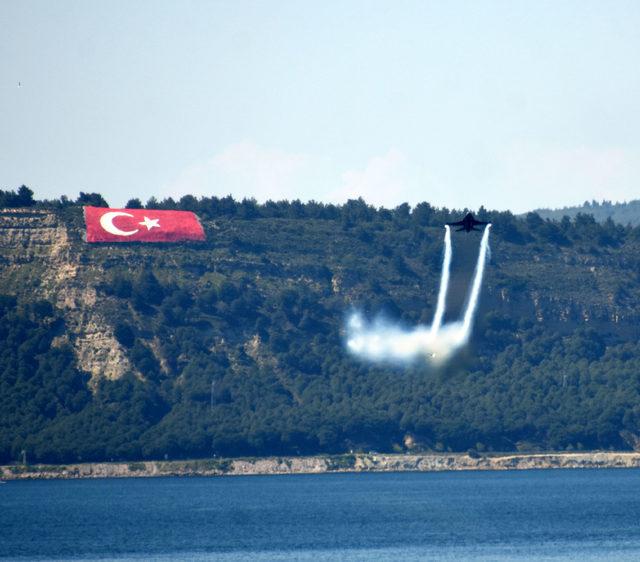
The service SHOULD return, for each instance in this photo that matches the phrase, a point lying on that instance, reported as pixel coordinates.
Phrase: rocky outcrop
(325, 464)
(40, 238)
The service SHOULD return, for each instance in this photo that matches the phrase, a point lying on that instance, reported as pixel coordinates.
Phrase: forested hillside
(235, 346)
(622, 213)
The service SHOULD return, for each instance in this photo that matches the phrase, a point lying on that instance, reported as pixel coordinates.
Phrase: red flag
(141, 225)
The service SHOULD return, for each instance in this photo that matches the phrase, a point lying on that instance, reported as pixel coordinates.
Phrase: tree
(422, 214)
(124, 334)
(25, 196)
(134, 204)
(91, 199)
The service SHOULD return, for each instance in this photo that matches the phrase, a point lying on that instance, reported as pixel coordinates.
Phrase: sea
(513, 515)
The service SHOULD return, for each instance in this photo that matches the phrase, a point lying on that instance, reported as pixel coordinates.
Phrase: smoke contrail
(444, 282)
(477, 283)
(381, 341)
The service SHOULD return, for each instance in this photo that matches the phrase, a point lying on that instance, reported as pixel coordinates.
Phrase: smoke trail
(381, 341)
(444, 282)
(477, 282)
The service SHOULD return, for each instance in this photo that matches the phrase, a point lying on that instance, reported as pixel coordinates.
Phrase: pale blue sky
(508, 104)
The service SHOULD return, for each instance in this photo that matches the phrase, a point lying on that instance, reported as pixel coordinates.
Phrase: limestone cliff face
(38, 256)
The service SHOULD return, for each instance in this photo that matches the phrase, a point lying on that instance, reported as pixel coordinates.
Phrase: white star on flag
(150, 223)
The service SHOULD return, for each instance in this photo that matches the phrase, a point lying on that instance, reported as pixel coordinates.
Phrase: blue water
(555, 515)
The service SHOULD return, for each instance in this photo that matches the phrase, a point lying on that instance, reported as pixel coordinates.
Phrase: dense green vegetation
(623, 213)
(236, 345)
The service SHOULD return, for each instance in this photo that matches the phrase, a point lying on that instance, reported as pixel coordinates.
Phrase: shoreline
(321, 464)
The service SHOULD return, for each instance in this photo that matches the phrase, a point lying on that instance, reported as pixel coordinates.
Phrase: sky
(506, 104)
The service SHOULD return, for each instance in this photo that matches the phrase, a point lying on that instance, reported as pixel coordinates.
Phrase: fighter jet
(468, 223)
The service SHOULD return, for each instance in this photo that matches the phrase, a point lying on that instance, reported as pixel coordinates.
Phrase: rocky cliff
(40, 259)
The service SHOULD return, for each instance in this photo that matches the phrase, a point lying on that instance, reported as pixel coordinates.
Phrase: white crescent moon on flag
(106, 222)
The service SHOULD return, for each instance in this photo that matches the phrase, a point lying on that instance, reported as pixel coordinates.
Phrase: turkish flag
(141, 225)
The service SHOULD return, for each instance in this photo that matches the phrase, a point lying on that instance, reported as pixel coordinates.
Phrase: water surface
(552, 514)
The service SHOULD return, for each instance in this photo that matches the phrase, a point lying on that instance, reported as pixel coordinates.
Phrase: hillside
(621, 213)
(235, 347)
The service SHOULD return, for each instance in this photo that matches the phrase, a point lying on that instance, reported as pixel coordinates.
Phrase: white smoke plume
(444, 282)
(382, 341)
